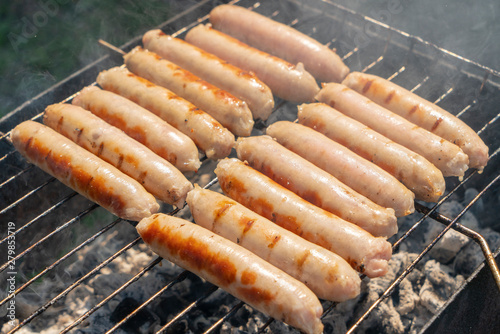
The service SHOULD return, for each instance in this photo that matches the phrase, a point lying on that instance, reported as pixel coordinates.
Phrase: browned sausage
(230, 111)
(327, 275)
(356, 172)
(447, 157)
(83, 172)
(421, 112)
(234, 269)
(280, 40)
(315, 185)
(259, 193)
(207, 133)
(157, 175)
(142, 125)
(413, 170)
(242, 84)
(288, 81)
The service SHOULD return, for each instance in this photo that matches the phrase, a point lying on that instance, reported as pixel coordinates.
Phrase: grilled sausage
(349, 168)
(280, 40)
(315, 185)
(208, 134)
(288, 81)
(234, 269)
(140, 124)
(364, 252)
(413, 170)
(83, 171)
(421, 112)
(157, 175)
(230, 111)
(447, 157)
(327, 275)
(242, 84)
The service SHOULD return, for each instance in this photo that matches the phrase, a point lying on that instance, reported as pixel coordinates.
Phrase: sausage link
(157, 175)
(327, 275)
(288, 81)
(230, 111)
(242, 84)
(421, 112)
(349, 168)
(83, 172)
(234, 269)
(259, 193)
(315, 185)
(280, 40)
(447, 157)
(413, 170)
(207, 133)
(140, 124)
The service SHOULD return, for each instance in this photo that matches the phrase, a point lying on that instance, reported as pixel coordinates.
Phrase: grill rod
(132, 280)
(53, 265)
(74, 285)
(477, 237)
(392, 287)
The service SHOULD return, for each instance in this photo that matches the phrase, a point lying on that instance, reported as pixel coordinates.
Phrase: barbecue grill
(60, 236)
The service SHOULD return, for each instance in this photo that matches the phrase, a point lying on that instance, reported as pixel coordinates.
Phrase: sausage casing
(83, 171)
(421, 112)
(356, 172)
(328, 275)
(280, 40)
(242, 84)
(230, 111)
(157, 175)
(234, 269)
(288, 81)
(315, 185)
(142, 125)
(207, 133)
(262, 195)
(413, 170)
(447, 157)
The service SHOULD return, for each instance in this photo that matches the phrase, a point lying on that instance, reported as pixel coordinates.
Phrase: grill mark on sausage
(312, 197)
(436, 124)
(142, 178)
(367, 85)
(191, 250)
(28, 143)
(101, 148)
(145, 82)
(274, 241)
(120, 161)
(79, 133)
(413, 109)
(237, 191)
(248, 223)
(302, 260)
(256, 295)
(389, 97)
(248, 277)
(223, 206)
(60, 123)
(233, 186)
(289, 223)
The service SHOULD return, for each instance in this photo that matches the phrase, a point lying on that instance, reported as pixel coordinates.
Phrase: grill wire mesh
(53, 225)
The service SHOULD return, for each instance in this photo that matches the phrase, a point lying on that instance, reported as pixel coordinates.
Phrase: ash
(419, 296)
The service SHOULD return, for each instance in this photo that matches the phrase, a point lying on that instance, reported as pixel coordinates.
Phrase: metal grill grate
(37, 204)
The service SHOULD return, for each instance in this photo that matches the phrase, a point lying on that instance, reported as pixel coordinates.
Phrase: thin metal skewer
(111, 46)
